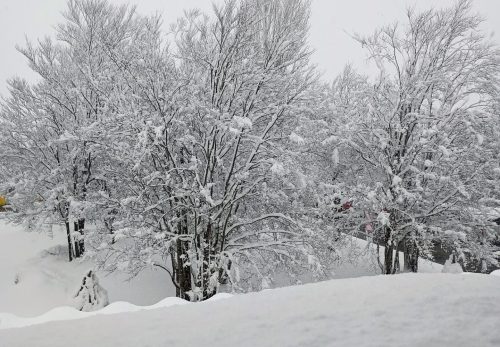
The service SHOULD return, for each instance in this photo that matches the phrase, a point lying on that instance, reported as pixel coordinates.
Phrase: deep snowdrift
(400, 310)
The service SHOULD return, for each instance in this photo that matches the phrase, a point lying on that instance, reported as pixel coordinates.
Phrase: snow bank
(400, 310)
(453, 268)
(67, 313)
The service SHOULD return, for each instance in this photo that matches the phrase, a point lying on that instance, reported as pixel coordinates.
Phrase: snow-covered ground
(35, 275)
(362, 261)
(401, 310)
(37, 282)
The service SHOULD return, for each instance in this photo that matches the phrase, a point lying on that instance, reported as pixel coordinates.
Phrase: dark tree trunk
(411, 255)
(207, 257)
(80, 243)
(182, 271)
(388, 256)
(388, 252)
(396, 266)
(70, 244)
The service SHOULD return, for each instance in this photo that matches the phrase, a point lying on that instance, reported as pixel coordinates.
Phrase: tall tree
(195, 145)
(422, 136)
(52, 127)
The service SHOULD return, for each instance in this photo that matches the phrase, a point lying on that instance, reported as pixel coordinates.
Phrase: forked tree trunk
(182, 268)
(180, 261)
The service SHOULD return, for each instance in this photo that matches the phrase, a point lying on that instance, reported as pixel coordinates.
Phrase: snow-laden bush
(91, 296)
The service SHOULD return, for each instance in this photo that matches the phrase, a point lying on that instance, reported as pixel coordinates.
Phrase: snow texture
(36, 276)
(450, 267)
(297, 139)
(400, 310)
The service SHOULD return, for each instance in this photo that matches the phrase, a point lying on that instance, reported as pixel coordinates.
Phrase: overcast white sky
(331, 23)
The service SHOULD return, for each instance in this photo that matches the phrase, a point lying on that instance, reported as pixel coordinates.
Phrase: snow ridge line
(8, 320)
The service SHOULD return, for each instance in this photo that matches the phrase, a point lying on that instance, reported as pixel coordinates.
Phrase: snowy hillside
(401, 310)
(37, 277)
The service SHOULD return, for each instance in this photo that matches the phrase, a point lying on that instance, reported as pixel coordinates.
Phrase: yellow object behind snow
(3, 201)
